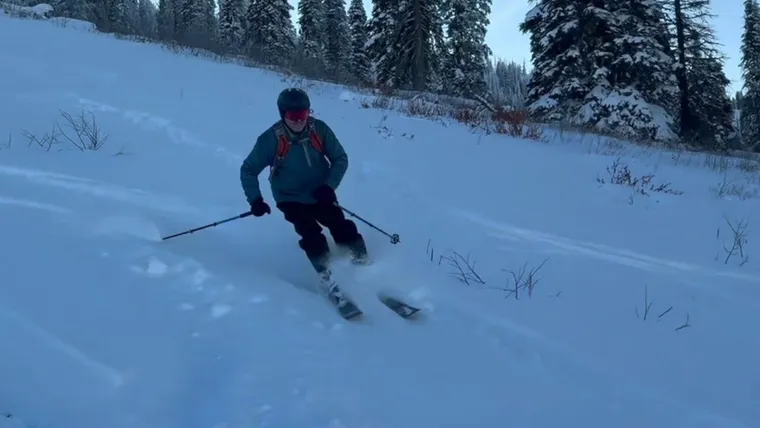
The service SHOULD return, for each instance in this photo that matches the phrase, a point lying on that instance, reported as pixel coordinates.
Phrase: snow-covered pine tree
(119, 16)
(642, 102)
(604, 64)
(230, 33)
(75, 9)
(165, 19)
(513, 80)
(194, 23)
(750, 64)
(467, 51)
(212, 23)
(419, 42)
(337, 38)
(560, 79)
(269, 33)
(383, 27)
(146, 19)
(357, 22)
(312, 35)
(492, 82)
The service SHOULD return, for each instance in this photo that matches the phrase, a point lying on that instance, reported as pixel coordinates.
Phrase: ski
(401, 308)
(345, 306)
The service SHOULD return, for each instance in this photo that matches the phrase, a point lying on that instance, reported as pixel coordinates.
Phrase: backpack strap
(316, 142)
(284, 143)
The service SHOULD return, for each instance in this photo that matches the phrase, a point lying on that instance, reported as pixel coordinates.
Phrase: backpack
(284, 143)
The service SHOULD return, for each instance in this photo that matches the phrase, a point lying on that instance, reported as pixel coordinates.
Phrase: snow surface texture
(105, 325)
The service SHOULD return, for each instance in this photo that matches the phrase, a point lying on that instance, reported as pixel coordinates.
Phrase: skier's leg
(343, 230)
(312, 241)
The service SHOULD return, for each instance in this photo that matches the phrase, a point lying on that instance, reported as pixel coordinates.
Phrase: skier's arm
(259, 158)
(336, 154)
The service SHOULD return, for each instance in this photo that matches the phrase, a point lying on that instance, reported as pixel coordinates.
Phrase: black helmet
(293, 99)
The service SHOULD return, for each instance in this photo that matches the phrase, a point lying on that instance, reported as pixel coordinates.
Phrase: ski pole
(394, 237)
(245, 214)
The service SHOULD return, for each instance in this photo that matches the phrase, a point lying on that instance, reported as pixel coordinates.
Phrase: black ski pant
(308, 220)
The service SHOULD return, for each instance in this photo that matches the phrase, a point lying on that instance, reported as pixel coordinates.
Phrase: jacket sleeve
(336, 154)
(260, 157)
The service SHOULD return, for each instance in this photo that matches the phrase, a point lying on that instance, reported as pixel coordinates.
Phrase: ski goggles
(297, 115)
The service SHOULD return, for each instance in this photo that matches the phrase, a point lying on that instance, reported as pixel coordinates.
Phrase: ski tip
(351, 316)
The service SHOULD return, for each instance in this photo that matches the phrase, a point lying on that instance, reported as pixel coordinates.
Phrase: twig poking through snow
(525, 279)
(740, 232)
(465, 269)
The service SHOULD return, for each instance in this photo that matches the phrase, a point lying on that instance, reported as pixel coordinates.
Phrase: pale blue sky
(507, 42)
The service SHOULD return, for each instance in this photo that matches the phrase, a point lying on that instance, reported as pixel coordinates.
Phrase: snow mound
(40, 11)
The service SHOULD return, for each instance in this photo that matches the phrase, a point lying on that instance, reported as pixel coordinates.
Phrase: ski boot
(358, 252)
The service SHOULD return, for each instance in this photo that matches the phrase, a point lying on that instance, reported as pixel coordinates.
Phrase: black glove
(259, 207)
(325, 194)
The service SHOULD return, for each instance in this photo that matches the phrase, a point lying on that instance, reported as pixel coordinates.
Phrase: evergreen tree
(705, 114)
(269, 34)
(750, 64)
(383, 27)
(118, 16)
(418, 43)
(165, 19)
(146, 19)
(74, 9)
(230, 33)
(604, 64)
(468, 53)
(312, 25)
(513, 80)
(710, 102)
(309, 58)
(357, 22)
(558, 84)
(645, 84)
(195, 23)
(337, 38)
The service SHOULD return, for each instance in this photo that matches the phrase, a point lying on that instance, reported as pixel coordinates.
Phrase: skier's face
(296, 119)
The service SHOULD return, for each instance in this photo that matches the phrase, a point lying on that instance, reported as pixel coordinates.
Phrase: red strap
(315, 141)
(283, 145)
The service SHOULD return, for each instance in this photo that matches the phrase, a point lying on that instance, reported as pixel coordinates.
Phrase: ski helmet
(293, 99)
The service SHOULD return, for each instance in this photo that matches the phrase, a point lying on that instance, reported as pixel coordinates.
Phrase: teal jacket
(301, 171)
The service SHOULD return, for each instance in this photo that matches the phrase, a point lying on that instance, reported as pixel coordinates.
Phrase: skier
(307, 164)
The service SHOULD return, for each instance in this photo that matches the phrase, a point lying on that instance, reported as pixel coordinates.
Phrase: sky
(507, 42)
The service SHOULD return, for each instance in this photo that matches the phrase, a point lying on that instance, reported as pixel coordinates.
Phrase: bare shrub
(467, 116)
(644, 313)
(46, 141)
(523, 279)
(510, 122)
(726, 188)
(464, 268)
(88, 135)
(738, 241)
(619, 173)
(382, 103)
(685, 324)
(647, 306)
(418, 107)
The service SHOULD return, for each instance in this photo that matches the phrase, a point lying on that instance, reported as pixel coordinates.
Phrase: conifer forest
(645, 69)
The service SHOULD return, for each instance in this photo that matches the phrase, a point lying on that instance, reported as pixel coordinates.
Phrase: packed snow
(643, 312)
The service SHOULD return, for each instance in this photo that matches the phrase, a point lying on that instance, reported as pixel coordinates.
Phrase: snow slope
(103, 324)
